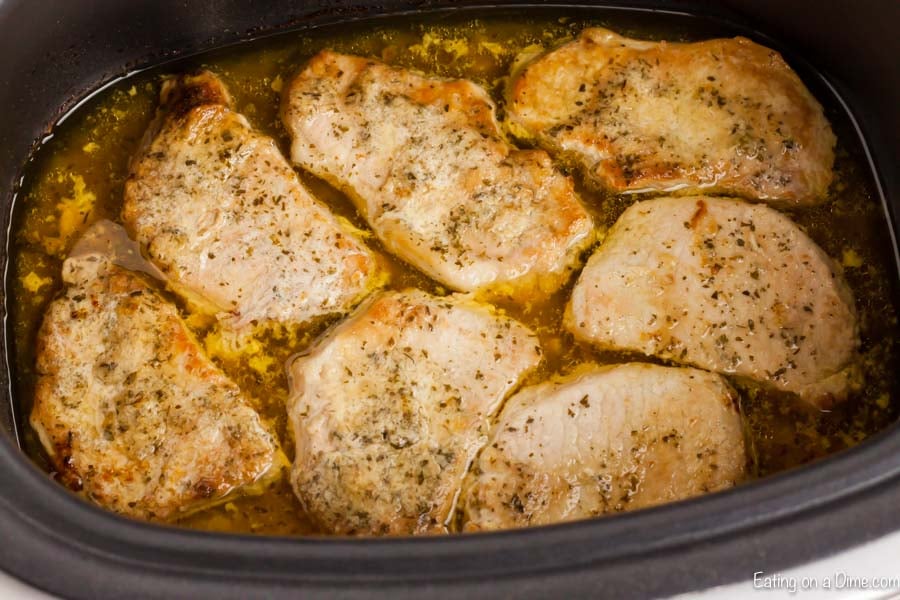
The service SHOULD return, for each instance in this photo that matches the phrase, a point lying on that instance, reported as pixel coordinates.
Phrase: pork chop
(425, 163)
(724, 285)
(130, 410)
(389, 409)
(223, 214)
(724, 115)
(605, 440)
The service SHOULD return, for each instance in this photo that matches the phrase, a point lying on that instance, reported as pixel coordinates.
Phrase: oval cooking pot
(55, 52)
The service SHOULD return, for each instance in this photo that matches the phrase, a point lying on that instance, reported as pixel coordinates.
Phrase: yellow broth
(77, 178)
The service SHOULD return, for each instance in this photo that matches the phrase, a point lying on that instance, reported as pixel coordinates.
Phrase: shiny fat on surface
(131, 411)
(390, 407)
(226, 218)
(724, 285)
(724, 115)
(604, 440)
(425, 163)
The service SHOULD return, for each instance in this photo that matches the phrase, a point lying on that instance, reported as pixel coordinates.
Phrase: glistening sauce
(77, 178)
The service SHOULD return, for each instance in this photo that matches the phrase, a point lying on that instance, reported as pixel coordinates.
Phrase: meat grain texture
(723, 115)
(604, 440)
(425, 163)
(724, 285)
(130, 410)
(226, 218)
(389, 409)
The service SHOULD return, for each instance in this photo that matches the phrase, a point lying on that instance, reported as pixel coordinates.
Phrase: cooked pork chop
(223, 214)
(723, 115)
(724, 285)
(130, 410)
(425, 163)
(389, 409)
(602, 440)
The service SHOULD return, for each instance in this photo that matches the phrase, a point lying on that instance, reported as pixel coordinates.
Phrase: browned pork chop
(130, 410)
(223, 214)
(424, 161)
(724, 285)
(723, 115)
(603, 440)
(390, 407)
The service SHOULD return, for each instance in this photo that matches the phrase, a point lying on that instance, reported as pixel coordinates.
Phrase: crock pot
(56, 52)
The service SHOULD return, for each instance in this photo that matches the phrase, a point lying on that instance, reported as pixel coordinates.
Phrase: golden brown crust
(426, 164)
(130, 410)
(181, 94)
(222, 213)
(724, 115)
